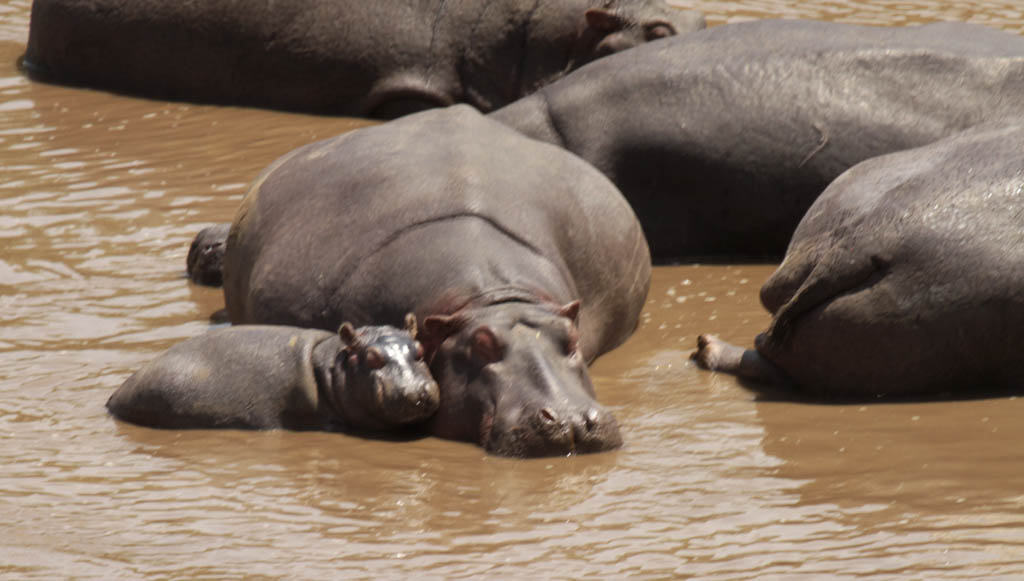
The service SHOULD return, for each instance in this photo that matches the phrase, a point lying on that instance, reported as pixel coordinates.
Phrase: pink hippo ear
(437, 328)
(606, 21)
(486, 346)
(348, 334)
(570, 311)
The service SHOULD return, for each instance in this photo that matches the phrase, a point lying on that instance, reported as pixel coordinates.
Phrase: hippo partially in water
(906, 278)
(522, 263)
(378, 58)
(722, 139)
(265, 377)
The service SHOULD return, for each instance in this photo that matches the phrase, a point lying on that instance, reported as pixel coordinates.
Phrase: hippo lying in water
(265, 377)
(905, 278)
(723, 138)
(520, 277)
(379, 58)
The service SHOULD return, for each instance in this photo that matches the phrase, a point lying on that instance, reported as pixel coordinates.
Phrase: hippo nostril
(548, 415)
(591, 418)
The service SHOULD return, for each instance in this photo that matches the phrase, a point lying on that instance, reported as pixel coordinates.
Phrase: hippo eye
(419, 351)
(374, 358)
(658, 30)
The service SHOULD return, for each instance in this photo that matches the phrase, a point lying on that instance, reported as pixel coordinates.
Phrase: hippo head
(515, 382)
(386, 382)
(204, 263)
(616, 26)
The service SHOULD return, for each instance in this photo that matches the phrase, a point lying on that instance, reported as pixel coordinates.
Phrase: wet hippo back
(380, 58)
(731, 132)
(427, 212)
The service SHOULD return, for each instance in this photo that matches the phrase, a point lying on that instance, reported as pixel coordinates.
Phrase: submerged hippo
(722, 139)
(379, 58)
(522, 262)
(266, 377)
(905, 278)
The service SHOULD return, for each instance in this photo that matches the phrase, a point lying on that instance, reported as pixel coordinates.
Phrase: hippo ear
(487, 348)
(410, 324)
(606, 21)
(571, 310)
(437, 328)
(348, 334)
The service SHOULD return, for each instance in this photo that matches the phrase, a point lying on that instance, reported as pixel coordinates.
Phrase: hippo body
(522, 263)
(906, 278)
(351, 57)
(723, 138)
(267, 377)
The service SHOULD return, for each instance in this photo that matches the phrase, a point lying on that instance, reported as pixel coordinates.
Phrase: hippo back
(721, 139)
(423, 213)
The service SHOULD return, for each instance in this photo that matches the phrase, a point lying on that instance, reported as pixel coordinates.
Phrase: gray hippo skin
(522, 263)
(379, 58)
(266, 377)
(906, 278)
(721, 139)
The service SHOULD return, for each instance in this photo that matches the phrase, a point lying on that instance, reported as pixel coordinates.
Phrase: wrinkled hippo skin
(380, 58)
(722, 139)
(519, 277)
(266, 377)
(906, 278)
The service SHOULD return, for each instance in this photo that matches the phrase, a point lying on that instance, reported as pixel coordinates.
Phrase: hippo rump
(906, 278)
(521, 262)
(723, 138)
(379, 58)
(266, 377)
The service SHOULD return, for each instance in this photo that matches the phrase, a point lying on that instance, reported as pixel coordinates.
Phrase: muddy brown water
(99, 197)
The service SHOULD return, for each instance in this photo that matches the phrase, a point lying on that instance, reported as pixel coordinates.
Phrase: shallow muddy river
(99, 198)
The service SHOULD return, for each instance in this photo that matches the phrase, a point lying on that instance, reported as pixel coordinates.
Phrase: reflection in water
(99, 198)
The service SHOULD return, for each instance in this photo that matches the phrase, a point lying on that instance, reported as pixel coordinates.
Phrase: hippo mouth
(546, 432)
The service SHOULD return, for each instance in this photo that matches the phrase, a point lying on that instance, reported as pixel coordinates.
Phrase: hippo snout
(550, 431)
(407, 400)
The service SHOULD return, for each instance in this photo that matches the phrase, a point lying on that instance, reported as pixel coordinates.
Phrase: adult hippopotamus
(906, 278)
(265, 377)
(522, 263)
(379, 58)
(723, 138)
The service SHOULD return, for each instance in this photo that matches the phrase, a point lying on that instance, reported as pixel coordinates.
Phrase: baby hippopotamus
(266, 377)
(906, 278)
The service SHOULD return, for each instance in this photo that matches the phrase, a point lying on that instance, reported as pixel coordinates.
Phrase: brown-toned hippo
(905, 278)
(522, 262)
(722, 139)
(379, 58)
(265, 377)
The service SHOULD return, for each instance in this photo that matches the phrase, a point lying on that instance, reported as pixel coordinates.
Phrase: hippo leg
(206, 255)
(714, 354)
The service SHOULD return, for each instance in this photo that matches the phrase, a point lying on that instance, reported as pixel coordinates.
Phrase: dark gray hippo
(722, 139)
(522, 263)
(906, 278)
(379, 58)
(266, 377)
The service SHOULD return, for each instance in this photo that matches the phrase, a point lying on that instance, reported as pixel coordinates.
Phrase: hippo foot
(206, 255)
(714, 354)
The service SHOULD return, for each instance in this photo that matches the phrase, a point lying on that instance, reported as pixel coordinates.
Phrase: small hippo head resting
(618, 25)
(386, 382)
(515, 381)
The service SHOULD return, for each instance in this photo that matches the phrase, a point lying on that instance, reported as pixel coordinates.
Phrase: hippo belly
(519, 278)
(383, 58)
(722, 139)
(905, 278)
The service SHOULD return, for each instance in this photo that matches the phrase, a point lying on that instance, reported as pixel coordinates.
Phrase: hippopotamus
(722, 139)
(521, 262)
(380, 58)
(905, 279)
(267, 377)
